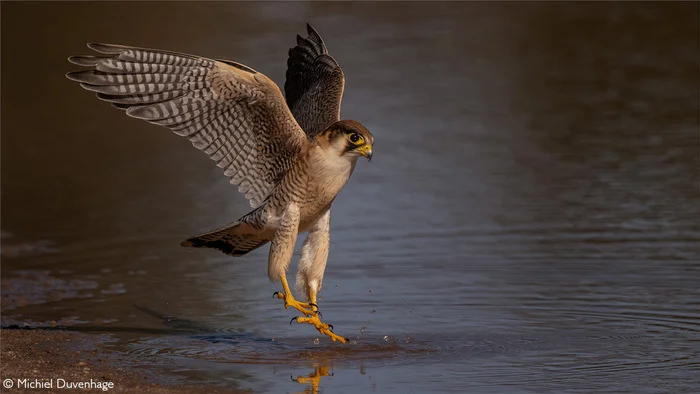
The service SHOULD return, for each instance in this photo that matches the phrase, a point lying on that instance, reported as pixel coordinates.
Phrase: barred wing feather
(231, 112)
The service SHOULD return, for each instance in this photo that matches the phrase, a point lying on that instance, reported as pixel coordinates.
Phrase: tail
(235, 239)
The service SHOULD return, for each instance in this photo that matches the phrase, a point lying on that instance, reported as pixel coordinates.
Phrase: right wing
(314, 86)
(231, 112)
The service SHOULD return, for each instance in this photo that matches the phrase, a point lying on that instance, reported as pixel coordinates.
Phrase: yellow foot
(323, 328)
(304, 307)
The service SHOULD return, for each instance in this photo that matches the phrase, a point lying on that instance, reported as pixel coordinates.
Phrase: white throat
(333, 167)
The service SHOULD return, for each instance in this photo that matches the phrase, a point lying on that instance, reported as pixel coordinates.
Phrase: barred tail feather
(236, 239)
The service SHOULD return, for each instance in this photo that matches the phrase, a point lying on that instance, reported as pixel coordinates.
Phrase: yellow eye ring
(355, 139)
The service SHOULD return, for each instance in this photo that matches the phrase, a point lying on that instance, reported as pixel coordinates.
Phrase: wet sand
(47, 356)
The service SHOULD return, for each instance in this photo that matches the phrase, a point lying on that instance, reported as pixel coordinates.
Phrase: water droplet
(316, 341)
(386, 338)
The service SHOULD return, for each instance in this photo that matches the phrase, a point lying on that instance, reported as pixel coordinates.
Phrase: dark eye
(354, 137)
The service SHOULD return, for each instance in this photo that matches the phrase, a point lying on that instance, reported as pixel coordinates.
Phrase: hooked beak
(366, 151)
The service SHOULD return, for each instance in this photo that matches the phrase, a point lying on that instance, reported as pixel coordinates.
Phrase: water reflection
(528, 223)
(313, 379)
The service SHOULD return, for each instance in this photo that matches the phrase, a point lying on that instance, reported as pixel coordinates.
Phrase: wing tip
(315, 37)
(313, 42)
(85, 61)
(72, 77)
(105, 48)
(79, 76)
(311, 31)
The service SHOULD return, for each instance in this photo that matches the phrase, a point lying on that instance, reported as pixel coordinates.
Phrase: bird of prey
(290, 158)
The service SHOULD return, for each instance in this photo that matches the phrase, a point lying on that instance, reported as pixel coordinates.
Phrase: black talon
(320, 316)
(330, 327)
(294, 318)
(293, 380)
(312, 304)
(274, 295)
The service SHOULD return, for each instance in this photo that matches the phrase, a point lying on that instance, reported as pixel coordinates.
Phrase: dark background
(529, 222)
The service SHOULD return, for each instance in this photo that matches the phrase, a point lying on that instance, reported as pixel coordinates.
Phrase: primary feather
(314, 85)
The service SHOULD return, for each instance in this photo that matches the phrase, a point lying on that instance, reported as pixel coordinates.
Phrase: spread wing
(231, 112)
(314, 86)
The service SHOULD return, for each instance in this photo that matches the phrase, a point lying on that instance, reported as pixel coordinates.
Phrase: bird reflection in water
(313, 379)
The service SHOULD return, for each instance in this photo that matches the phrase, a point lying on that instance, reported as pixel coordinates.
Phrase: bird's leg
(304, 307)
(281, 249)
(314, 254)
(314, 320)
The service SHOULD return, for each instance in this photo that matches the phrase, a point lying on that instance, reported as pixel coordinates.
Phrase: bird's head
(350, 139)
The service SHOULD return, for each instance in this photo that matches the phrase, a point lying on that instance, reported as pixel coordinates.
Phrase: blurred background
(529, 222)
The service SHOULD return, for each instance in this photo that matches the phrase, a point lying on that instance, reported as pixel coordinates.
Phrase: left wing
(231, 112)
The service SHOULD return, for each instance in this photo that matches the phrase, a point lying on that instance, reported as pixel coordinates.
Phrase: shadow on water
(528, 222)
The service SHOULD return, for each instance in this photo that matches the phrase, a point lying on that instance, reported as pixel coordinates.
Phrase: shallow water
(529, 222)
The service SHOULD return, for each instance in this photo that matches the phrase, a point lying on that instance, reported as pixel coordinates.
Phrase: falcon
(290, 158)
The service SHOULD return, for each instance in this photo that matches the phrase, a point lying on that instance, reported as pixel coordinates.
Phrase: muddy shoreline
(50, 360)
